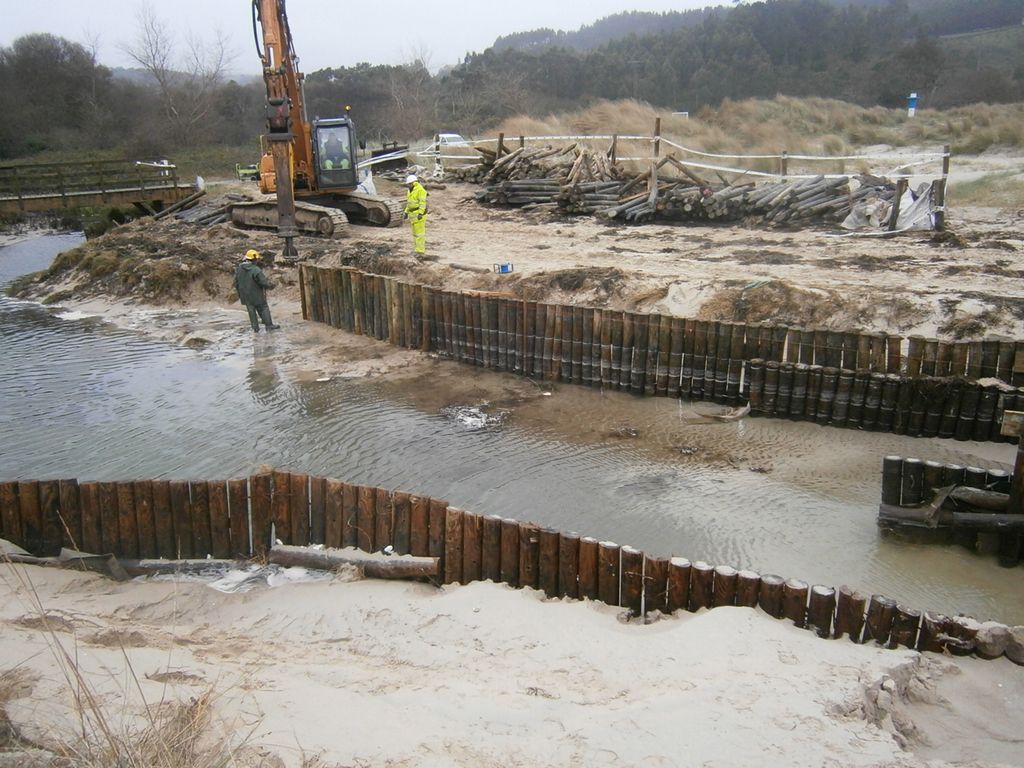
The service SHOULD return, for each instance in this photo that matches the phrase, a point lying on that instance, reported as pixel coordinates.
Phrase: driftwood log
(371, 565)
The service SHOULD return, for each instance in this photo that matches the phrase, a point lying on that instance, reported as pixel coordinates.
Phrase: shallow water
(82, 398)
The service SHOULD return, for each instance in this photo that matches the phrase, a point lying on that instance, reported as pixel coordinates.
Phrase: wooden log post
(437, 518)
(366, 518)
(181, 513)
(220, 522)
(261, 488)
(240, 544)
(202, 537)
(510, 552)
(608, 554)
(725, 582)
(820, 610)
(826, 402)
(92, 535)
(334, 503)
(453, 529)
(785, 393)
(588, 569)
(702, 584)
(798, 402)
(934, 633)
(70, 515)
(769, 398)
(755, 392)
(472, 547)
(850, 608)
(569, 565)
(678, 584)
(878, 623)
(892, 480)
(794, 601)
(548, 561)
(141, 502)
(31, 517)
(1010, 544)
(655, 584)
(905, 625)
(529, 555)
(163, 521)
(50, 529)
(748, 584)
(490, 558)
(419, 526)
(912, 486)
(769, 596)
(383, 510)
(10, 514)
(638, 367)
(632, 575)
(675, 357)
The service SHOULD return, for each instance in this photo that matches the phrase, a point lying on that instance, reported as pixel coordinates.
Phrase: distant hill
(140, 76)
(869, 52)
(135, 75)
(932, 18)
(603, 30)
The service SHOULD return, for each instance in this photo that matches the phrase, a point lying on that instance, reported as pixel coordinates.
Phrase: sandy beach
(341, 672)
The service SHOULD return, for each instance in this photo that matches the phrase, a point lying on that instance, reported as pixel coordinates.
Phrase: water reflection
(263, 380)
(79, 397)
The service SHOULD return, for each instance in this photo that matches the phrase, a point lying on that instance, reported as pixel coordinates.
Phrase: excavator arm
(314, 162)
(287, 130)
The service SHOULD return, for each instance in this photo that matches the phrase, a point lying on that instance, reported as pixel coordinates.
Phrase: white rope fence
(919, 161)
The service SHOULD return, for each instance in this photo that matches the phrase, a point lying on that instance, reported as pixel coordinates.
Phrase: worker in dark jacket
(252, 285)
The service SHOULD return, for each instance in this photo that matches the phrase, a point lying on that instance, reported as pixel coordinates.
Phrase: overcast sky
(327, 33)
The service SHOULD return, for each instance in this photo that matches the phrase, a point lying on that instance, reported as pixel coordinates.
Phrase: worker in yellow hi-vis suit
(416, 212)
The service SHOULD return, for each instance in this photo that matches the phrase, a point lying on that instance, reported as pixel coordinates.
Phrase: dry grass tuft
(774, 301)
(164, 734)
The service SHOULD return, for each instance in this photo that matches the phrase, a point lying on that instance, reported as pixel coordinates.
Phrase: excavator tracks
(313, 220)
(372, 209)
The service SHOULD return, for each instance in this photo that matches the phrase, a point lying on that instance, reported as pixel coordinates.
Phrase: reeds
(105, 733)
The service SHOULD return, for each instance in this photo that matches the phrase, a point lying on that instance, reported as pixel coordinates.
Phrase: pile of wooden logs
(543, 169)
(521, 192)
(209, 213)
(578, 180)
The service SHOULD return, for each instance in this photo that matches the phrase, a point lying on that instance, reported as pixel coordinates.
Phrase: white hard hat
(410, 178)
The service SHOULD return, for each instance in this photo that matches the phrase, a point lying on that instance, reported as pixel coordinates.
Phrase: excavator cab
(334, 154)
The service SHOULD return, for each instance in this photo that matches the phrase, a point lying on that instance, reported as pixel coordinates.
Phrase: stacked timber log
(538, 175)
(207, 214)
(581, 181)
(590, 196)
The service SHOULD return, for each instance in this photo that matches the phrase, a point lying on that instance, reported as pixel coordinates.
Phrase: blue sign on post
(912, 104)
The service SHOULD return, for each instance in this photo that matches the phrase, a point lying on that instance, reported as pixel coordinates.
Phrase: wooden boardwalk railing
(240, 518)
(53, 186)
(846, 379)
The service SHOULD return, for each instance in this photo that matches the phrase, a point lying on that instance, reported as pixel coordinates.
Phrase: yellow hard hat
(252, 255)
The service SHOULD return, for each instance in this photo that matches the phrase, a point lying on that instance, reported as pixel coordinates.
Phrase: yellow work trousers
(419, 232)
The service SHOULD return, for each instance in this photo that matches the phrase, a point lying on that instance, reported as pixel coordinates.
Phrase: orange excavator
(309, 167)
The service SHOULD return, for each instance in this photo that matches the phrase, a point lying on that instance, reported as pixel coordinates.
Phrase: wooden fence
(922, 406)
(51, 186)
(851, 379)
(241, 518)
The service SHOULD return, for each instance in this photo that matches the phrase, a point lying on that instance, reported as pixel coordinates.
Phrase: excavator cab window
(336, 164)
